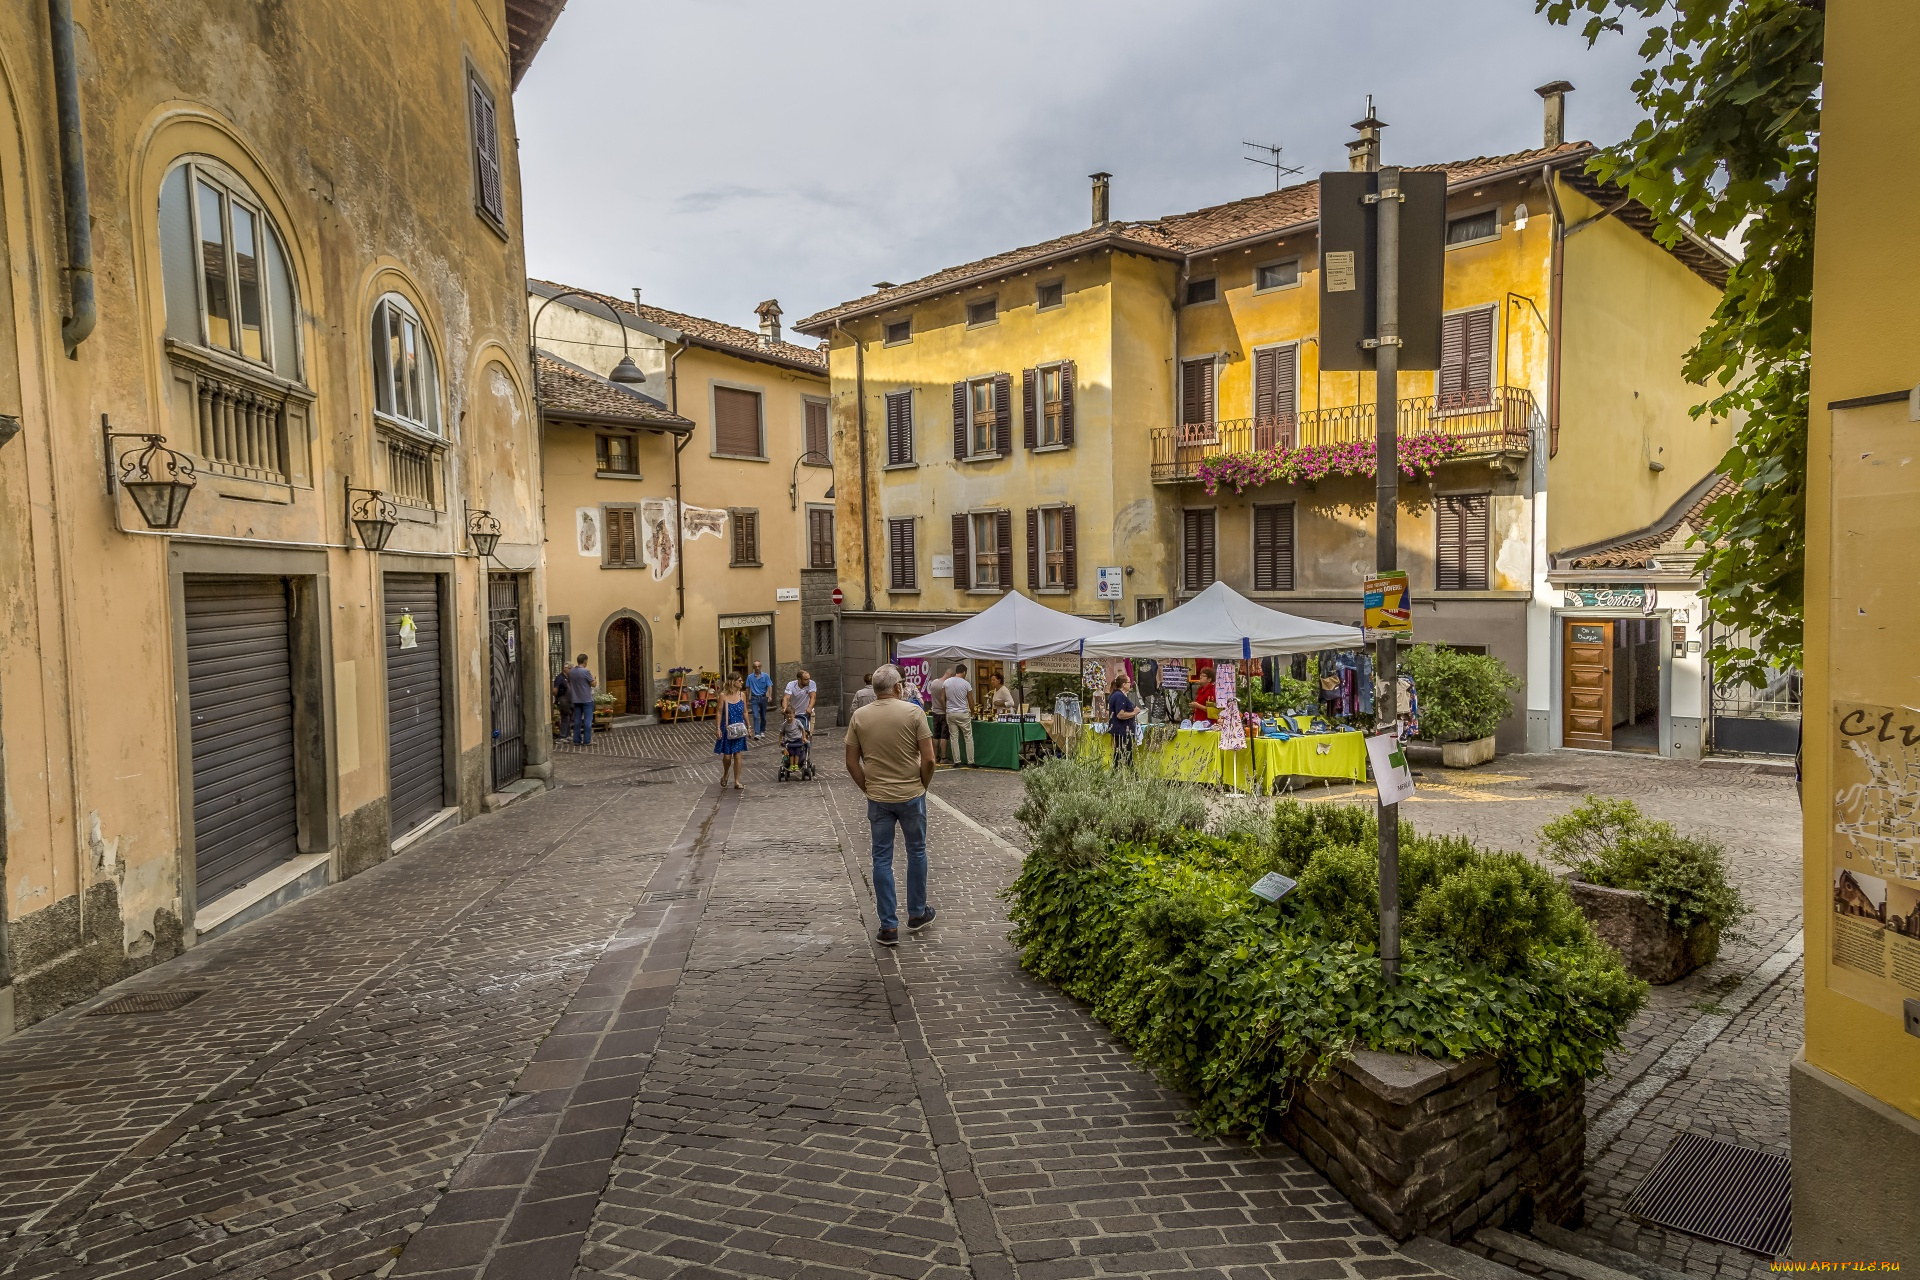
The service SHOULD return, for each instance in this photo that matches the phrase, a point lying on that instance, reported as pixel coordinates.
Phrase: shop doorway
(627, 669)
(1610, 685)
(742, 646)
(1636, 685)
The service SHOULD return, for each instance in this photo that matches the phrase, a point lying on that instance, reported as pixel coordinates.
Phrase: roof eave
(554, 416)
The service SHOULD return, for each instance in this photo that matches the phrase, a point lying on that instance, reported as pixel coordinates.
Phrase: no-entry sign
(838, 595)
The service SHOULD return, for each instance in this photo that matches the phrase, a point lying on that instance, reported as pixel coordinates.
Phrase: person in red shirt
(1203, 692)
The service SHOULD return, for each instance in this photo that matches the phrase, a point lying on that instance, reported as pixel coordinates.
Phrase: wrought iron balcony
(1497, 421)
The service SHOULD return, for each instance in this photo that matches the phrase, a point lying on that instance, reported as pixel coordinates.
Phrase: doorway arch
(626, 662)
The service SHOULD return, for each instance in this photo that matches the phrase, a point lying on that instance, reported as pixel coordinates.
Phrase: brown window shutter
(1196, 391)
(1003, 526)
(1475, 539)
(1273, 547)
(1030, 432)
(1066, 402)
(622, 544)
(736, 422)
(1273, 384)
(819, 538)
(899, 428)
(962, 560)
(900, 555)
(1479, 357)
(817, 434)
(1446, 560)
(1069, 552)
(1003, 414)
(746, 536)
(1197, 551)
(1033, 546)
(1453, 360)
(959, 420)
(486, 151)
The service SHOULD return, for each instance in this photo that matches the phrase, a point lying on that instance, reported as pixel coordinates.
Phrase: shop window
(745, 522)
(615, 455)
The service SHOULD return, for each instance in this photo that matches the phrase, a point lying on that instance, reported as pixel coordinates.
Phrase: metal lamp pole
(1386, 554)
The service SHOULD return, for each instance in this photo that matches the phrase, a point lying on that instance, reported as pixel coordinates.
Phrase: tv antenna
(1271, 160)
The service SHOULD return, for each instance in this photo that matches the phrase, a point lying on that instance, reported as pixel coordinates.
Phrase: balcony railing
(413, 473)
(1499, 420)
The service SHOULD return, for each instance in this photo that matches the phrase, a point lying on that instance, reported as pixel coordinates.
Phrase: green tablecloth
(996, 744)
(1195, 756)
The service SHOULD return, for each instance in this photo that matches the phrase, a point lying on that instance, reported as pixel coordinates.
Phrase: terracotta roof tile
(712, 334)
(1672, 533)
(566, 388)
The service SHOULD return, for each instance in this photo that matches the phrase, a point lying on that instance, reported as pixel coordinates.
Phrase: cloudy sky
(724, 151)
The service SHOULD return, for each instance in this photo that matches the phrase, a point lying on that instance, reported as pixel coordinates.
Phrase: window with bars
(1464, 538)
(1273, 547)
(819, 435)
(820, 537)
(489, 194)
(1197, 558)
(622, 543)
(901, 564)
(745, 523)
(900, 428)
(1466, 359)
(1149, 607)
(1196, 393)
(823, 637)
(615, 455)
(737, 423)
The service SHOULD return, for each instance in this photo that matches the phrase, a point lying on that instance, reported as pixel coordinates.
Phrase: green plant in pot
(1463, 699)
(1660, 898)
(602, 708)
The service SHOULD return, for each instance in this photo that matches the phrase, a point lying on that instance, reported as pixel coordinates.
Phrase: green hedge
(1143, 911)
(1463, 696)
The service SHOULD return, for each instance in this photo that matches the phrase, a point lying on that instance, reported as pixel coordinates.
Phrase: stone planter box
(1443, 1148)
(1651, 947)
(1465, 755)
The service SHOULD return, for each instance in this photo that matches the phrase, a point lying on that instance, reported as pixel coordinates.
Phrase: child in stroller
(795, 742)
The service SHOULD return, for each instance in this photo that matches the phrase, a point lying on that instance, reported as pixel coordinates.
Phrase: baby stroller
(796, 761)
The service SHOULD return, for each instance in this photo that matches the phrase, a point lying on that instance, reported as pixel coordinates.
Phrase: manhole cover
(1721, 1192)
(146, 1002)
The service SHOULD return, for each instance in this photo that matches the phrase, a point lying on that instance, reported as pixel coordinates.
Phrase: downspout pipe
(1556, 291)
(82, 311)
(679, 506)
(860, 418)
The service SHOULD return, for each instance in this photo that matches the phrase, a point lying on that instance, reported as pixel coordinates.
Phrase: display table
(997, 743)
(1194, 755)
(1313, 755)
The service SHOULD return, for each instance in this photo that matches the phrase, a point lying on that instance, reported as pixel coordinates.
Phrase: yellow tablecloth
(1195, 756)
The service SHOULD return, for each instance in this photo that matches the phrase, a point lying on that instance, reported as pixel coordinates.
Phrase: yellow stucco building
(689, 494)
(1021, 421)
(1856, 1086)
(235, 257)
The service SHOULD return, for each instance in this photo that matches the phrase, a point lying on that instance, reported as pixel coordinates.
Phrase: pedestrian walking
(1123, 722)
(581, 683)
(865, 695)
(890, 758)
(801, 693)
(759, 689)
(959, 715)
(730, 732)
(936, 693)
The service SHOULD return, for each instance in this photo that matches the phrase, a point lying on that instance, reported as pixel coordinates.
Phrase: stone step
(1542, 1254)
(1458, 1263)
(1605, 1254)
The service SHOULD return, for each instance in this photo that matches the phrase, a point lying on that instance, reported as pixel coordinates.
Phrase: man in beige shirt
(890, 758)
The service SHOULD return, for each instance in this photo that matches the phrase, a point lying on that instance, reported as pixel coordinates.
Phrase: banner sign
(1388, 606)
(1631, 595)
(1391, 773)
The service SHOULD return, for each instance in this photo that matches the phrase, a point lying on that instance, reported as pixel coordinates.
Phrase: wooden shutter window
(962, 555)
(736, 422)
(900, 557)
(1196, 392)
(1033, 547)
(899, 428)
(819, 538)
(1066, 402)
(746, 536)
(1274, 395)
(818, 437)
(1464, 540)
(1003, 529)
(959, 420)
(488, 191)
(1197, 551)
(1069, 551)
(1002, 414)
(1466, 359)
(1030, 430)
(1273, 547)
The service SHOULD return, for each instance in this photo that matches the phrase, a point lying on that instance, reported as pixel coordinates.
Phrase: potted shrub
(602, 710)
(1463, 698)
(1660, 898)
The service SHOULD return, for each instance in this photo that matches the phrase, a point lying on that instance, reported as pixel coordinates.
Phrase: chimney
(1555, 96)
(769, 313)
(1102, 204)
(1363, 153)
(636, 297)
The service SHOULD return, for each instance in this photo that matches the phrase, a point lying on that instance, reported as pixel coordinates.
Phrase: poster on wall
(1875, 855)
(659, 546)
(586, 524)
(913, 678)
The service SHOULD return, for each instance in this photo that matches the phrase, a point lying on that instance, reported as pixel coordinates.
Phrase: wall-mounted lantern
(373, 514)
(159, 479)
(484, 530)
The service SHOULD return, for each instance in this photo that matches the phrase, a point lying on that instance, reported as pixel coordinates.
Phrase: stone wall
(827, 668)
(1442, 1148)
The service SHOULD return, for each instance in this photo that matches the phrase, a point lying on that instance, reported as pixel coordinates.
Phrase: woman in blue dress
(730, 733)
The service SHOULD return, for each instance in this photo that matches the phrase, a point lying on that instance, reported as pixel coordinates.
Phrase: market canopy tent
(1221, 623)
(1015, 629)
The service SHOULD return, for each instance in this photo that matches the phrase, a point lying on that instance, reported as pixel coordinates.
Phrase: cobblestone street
(633, 1027)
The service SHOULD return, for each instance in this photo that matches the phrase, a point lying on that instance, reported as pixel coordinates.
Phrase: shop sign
(733, 620)
(1055, 664)
(1109, 582)
(1388, 606)
(1632, 595)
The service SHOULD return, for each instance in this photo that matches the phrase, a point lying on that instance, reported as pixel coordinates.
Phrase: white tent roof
(1221, 623)
(1014, 629)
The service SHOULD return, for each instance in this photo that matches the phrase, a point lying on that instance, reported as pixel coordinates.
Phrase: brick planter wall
(1442, 1148)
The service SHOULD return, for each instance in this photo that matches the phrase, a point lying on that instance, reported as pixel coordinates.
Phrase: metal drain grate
(1718, 1191)
(675, 895)
(146, 1002)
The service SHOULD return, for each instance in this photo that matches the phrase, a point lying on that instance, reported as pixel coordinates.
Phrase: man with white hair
(890, 758)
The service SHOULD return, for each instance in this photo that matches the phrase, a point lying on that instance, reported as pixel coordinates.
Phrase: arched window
(406, 381)
(224, 270)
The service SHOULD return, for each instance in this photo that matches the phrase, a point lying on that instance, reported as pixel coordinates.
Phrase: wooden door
(1587, 692)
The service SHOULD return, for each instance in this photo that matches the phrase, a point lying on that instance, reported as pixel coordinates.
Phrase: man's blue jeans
(912, 817)
(759, 708)
(583, 723)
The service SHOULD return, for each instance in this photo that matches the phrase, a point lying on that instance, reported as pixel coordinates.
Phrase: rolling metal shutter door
(240, 700)
(416, 776)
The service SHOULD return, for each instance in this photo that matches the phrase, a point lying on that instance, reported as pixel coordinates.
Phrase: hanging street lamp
(373, 514)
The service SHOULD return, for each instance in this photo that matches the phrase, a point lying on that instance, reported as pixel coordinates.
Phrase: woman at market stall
(1122, 715)
(730, 732)
(1204, 692)
(1002, 698)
